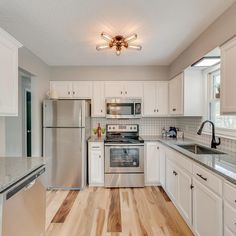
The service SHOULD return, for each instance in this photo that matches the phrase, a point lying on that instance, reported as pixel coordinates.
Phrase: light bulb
(107, 37)
(103, 46)
(136, 47)
(131, 38)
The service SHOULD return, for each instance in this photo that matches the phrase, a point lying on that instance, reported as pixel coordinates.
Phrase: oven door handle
(126, 144)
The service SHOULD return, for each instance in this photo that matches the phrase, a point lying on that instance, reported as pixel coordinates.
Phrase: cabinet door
(82, 89)
(228, 74)
(207, 211)
(176, 95)
(162, 98)
(96, 165)
(162, 166)
(171, 180)
(185, 195)
(114, 89)
(8, 78)
(62, 88)
(149, 99)
(152, 164)
(98, 100)
(133, 89)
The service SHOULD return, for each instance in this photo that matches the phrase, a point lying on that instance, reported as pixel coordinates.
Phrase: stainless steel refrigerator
(66, 128)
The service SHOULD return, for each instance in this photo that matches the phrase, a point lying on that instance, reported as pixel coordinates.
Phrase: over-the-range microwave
(123, 108)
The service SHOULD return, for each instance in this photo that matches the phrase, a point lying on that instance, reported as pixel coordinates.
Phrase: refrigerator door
(64, 113)
(64, 150)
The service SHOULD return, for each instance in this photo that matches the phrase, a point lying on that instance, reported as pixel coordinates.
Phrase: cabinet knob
(174, 109)
(73, 92)
(121, 92)
(157, 110)
(154, 110)
(175, 173)
(125, 92)
(157, 148)
(100, 156)
(68, 92)
(101, 110)
(191, 186)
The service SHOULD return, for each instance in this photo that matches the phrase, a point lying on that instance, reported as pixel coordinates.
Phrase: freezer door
(64, 113)
(65, 157)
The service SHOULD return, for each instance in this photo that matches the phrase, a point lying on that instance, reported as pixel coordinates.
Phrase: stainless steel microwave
(123, 108)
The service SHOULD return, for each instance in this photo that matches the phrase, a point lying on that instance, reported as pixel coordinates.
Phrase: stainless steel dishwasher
(24, 207)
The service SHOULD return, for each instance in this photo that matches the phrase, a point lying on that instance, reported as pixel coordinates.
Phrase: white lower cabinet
(96, 164)
(162, 154)
(152, 163)
(207, 211)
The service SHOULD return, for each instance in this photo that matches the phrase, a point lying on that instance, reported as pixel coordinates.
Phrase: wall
(220, 31)
(109, 73)
(40, 76)
(2, 136)
(147, 126)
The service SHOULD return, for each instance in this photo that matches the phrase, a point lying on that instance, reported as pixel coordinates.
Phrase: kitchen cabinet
(96, 164)
(229, 209)
(8, 74)
(162, 154)
(176, 95)
(186, 94)
(155, 97)
(207, 211)
(98, 99)
(228, 74)
(123, 89)
(171, 180)
(71, 90)
(152, 163)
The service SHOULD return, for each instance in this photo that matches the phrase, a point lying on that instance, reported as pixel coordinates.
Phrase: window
(221, 122)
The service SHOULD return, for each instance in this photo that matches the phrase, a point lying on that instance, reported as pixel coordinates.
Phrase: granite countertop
(12, 169)
(223, 164)
(96, 139)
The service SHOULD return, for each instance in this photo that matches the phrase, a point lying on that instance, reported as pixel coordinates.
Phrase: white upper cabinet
(155, 98)
(176, 95)
(228, 75)
(8, 74)
(63, 89)
(69, 89)
(98, 99)
(82, 89)
(186, 94)
(130, 89)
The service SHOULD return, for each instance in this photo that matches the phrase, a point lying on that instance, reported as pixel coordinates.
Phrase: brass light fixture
(118, 42)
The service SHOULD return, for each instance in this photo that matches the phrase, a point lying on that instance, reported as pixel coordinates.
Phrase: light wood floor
(113, 212)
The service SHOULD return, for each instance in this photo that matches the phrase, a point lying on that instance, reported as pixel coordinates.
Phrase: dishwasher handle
(25, 184)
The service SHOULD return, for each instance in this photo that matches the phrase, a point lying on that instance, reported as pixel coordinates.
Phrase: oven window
(124, 157)
(120, 109)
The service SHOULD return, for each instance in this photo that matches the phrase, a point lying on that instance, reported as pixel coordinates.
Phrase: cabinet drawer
(179, 159)
(230, 217)
(230, 194)
(208, 179)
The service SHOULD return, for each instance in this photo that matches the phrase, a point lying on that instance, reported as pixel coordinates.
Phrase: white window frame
(220, 132)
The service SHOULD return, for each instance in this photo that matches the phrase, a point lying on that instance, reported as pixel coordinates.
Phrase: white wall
(220, 31)
(2, 136)
(109, 73)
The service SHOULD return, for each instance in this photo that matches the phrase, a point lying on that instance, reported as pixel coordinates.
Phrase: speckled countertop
(223, 164)
(96, 139)
(12, 169)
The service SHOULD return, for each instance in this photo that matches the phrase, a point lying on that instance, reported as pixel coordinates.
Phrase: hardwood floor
(113, 212)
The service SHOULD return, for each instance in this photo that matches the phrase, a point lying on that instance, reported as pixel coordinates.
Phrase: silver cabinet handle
(154, 110)
(157, 110)
(157, 148)
(73, 92)
(175, 173)
(121, 92)
(174, 109)
(68, 92)
(101, 110)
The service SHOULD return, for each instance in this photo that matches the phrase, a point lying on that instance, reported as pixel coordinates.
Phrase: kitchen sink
(199, 150)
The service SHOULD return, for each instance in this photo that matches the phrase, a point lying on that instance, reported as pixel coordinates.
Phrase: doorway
(28, 122)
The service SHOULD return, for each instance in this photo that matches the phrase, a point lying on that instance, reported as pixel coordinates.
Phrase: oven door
(124, 158)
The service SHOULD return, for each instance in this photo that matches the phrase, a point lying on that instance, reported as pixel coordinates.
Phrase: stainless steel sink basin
(199, 150)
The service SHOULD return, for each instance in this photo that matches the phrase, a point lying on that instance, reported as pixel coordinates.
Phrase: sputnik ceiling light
(118, 42)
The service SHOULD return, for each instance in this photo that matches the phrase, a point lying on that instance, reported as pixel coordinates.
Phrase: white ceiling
(65, 32)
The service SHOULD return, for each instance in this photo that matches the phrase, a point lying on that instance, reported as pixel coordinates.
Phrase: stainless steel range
(124, 156)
